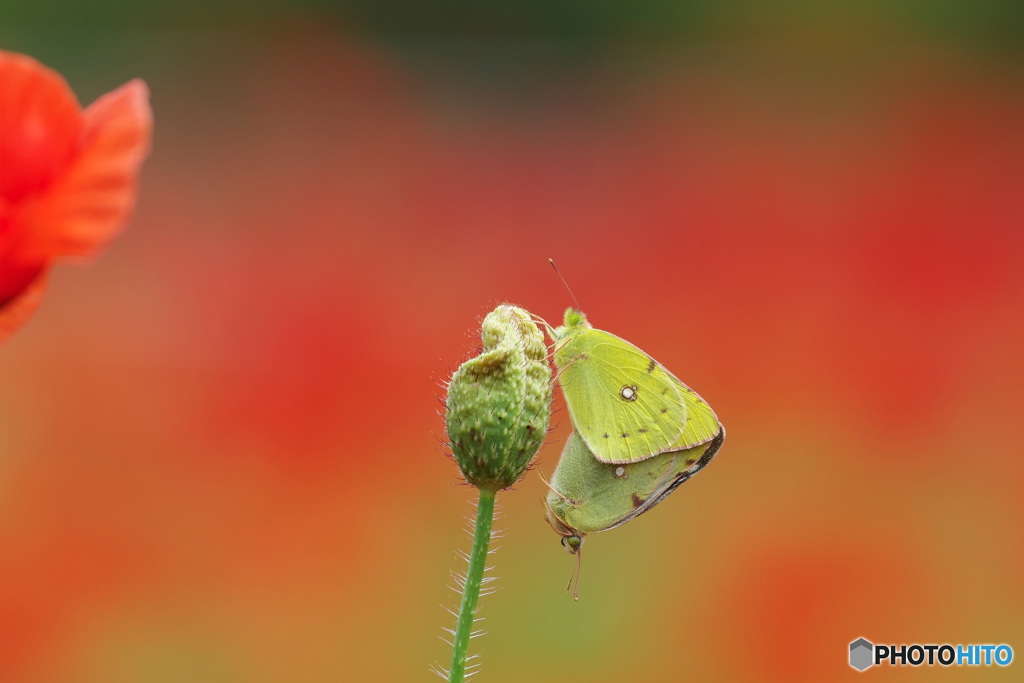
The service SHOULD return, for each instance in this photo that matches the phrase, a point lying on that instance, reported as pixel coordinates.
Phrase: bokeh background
(220, 453)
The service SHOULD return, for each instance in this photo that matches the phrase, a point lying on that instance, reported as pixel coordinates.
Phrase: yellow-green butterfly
(588, 496)
(624, 404)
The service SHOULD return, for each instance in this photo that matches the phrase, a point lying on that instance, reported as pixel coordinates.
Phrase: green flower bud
(499, 403)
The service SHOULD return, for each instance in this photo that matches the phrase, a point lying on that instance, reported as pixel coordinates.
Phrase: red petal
(15, 311)
(93, 200)
(40, 123)
(67, 178)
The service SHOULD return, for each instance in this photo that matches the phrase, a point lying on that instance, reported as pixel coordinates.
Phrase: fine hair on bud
(499, 402)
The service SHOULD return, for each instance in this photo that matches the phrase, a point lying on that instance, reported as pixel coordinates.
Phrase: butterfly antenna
(576, 573)
(574, 577)
(568, 289)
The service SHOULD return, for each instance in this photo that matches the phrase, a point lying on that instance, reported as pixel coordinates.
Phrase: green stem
(471, 593)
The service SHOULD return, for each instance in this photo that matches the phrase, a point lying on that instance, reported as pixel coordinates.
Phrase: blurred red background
(220, 458)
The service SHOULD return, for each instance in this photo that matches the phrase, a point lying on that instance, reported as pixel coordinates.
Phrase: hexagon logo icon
(861, 652)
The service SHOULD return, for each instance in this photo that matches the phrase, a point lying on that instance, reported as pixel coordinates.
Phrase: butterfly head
(572, 540)
(574, 322)
(574, 318)
(572, 543)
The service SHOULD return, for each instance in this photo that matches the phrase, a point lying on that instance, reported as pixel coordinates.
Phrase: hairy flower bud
(499, 402)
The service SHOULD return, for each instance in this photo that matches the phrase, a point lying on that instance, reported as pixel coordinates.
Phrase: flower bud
(499, 402)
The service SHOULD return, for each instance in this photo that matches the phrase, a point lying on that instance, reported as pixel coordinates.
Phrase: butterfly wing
(625, 405)
(687, 463)
(701, 425)
(589, 496)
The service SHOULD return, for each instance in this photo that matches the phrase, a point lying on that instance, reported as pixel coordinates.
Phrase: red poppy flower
(67, 176)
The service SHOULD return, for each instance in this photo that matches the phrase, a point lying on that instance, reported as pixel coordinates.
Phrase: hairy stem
(474, 576)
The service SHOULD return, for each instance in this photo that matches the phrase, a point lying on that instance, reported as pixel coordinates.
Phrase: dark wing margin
(681, 479)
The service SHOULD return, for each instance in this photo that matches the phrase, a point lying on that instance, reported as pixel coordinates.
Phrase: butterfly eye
(572, 543)
(628, 393)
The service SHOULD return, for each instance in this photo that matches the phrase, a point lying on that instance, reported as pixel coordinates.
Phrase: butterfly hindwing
(693, 461)
(625, 405)
(589, 496)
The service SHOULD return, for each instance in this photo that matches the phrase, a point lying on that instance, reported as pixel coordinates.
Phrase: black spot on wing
(651, 365)
(637, 500)
(705, 458)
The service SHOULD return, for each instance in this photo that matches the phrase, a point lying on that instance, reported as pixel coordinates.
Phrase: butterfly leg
(551, 488)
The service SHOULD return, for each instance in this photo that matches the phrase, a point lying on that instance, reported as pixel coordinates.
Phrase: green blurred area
(527, 50)
(989, 25)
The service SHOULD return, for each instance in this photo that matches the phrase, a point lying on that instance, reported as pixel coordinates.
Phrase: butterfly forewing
(624, 404)
(701, 424)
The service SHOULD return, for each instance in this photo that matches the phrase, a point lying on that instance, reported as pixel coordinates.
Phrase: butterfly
(625, 406)
(588, 496)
